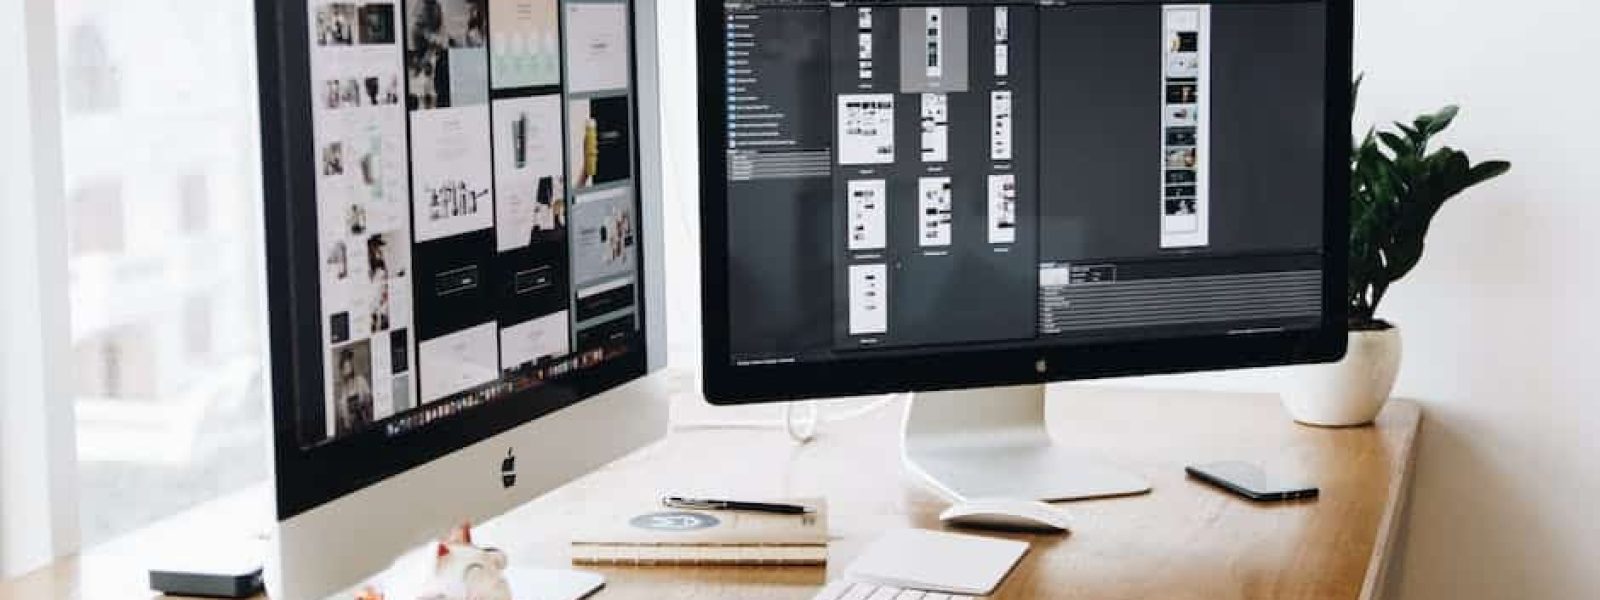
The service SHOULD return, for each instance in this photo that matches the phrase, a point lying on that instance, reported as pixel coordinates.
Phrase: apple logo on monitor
(508, 469)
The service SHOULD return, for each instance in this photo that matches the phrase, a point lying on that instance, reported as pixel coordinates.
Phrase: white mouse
(1008, 514)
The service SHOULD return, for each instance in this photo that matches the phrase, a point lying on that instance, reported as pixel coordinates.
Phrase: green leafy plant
(1397, 186)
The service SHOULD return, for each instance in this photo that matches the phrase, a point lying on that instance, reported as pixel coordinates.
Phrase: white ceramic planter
(1349, 392)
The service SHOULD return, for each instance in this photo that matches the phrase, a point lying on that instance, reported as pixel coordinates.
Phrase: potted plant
(1397, 185)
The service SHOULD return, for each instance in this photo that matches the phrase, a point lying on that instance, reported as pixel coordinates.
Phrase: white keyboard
(855, 590)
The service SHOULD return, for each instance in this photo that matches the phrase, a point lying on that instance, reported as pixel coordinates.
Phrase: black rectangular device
(244, 584)
(921, 196)
(1250, 481)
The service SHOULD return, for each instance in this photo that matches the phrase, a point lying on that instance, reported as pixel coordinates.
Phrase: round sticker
(674, 521)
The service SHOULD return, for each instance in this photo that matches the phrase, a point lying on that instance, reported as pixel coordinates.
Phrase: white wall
(1498, 319)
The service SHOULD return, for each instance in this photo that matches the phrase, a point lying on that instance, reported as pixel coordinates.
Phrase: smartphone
(1250, 481)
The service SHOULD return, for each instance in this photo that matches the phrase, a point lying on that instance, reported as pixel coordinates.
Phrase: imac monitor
(462, 248)
(970, 199)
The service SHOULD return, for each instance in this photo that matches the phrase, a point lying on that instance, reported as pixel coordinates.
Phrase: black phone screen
(1251, 481)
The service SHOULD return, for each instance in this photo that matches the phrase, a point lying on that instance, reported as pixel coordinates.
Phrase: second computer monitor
(900, 196)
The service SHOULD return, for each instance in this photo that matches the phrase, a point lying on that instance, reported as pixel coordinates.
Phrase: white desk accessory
(1008, 514)
(935, 561)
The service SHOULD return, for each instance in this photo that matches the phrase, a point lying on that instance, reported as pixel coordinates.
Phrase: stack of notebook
(653, 535)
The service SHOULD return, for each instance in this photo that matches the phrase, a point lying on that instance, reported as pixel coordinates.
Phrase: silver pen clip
(690, 504)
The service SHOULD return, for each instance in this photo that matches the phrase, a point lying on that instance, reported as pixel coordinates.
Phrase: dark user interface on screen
(905, 178)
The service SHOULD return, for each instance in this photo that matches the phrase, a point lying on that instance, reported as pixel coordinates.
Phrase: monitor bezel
(728, 384)
(307, 478)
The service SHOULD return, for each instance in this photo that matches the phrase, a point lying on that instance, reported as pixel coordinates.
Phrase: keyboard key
(859, 591)
(833, 591)
(855, 590)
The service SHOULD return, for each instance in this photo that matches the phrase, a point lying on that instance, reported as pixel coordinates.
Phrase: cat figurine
(459, 570)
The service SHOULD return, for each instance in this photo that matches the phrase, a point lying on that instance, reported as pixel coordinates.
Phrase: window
(110, 367)
(195, 202)
(95, 219)
(161, 168)
(89, 74)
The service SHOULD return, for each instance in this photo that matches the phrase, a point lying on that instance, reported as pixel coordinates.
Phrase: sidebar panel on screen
(780, 155)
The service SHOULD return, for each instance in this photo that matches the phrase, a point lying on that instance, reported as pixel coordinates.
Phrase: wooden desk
(1184, 540)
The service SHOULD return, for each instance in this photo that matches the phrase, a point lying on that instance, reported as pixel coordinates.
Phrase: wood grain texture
(1183, 541)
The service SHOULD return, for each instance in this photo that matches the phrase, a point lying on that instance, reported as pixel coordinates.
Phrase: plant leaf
(1397, 188)
(1438, 121)
(1486, 171)
(1397, 144)
(1412, 134)
(1355, 91)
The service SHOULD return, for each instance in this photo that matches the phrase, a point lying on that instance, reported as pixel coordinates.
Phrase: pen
(708, 504)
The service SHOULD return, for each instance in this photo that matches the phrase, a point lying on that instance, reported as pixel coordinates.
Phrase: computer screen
(894, 180)
(453, 226)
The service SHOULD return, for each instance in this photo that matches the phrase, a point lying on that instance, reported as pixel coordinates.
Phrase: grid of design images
(452, 162)
(1183, 106)
(933, 71)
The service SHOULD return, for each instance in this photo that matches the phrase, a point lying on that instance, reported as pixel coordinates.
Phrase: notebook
(655, 535)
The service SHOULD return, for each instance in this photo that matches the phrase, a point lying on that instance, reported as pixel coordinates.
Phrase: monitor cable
(800, 421)
(801, 432)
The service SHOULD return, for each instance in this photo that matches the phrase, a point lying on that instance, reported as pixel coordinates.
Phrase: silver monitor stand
(993, 443)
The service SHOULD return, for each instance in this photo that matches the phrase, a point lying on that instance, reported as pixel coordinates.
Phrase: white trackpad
(937, 561)
(552, 584)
